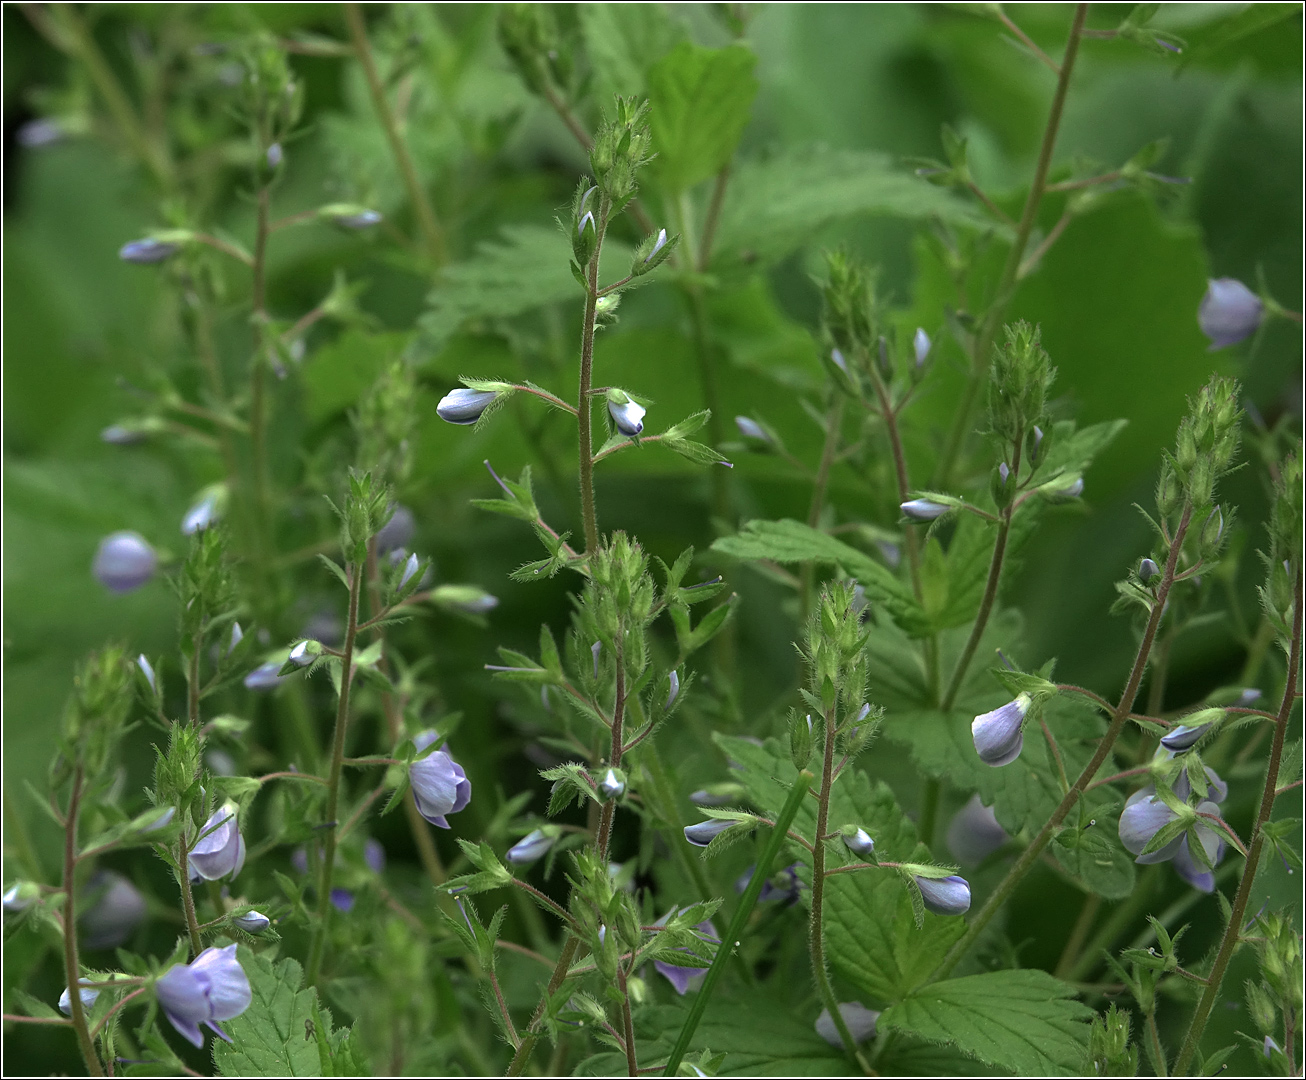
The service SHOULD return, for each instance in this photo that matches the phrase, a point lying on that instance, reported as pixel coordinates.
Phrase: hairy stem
(333, 781)
(584, 410)
(986, 604)
(188, 896)
(1229, 942)
(627, 1026)
(989, 329)
(426, 222)
(1118, 718)
(532, 1035)
(817, 923)
(72, 967)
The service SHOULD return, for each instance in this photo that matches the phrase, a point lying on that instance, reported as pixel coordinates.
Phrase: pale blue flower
(212, 988)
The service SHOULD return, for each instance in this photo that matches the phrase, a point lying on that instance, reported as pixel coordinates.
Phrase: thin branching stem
(1118, 718)
(1229, 942)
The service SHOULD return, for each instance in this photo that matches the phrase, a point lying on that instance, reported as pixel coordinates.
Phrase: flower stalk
(989, 330)
(1118, 718)
(72, 966)
(1232, 930)
(327, 868)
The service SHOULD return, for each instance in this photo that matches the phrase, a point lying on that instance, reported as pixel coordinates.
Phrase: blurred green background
(1116, 299)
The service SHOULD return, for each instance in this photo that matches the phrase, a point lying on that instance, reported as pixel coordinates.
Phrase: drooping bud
(627, 414)
(464, 405)
(997, 735)
(148, 251)
(534, 845)
(124, 561)
(252, 922)
(703, 833)
(673, 689)
(305, 652)
(410, 569)
(1186, 734)
(945, 896)
(859, 1020)
(1187, 866)
(440, 786)
(921, 344)
(88, 999)
(1143, 817)
(613, 785)
(751, 429)
(974, 833)
(923, 510)
(147, 669)
(1229, 312)
(859, 843)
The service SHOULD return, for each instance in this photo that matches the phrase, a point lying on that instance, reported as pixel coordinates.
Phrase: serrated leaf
(701, 100)
(272, 1036)
(789, 541)
(1025, 1021)
(526, 267)
(776, 206)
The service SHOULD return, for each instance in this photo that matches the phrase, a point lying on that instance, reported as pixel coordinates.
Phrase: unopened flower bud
(410, 568)
(121, 435)
(997, 734)
(397, 532)
(945, 896)
(921, 344)
(1213, 530)
(88, 999)
(658, 246)
(145, 252)
(147, 669)
(464, 405)
(264, 677)
(237, 636)
(274, 155)
(839, 361)
(20, 896)
(1147, 570)
(1229, 312)
(595, 650)
(612, 785)
(1185, 735)
(627, 415)
(673, 688)
(859, 1020)
(703, 833)
(923, 510)
(204, 513)
(220, 850)
(534, 845)
(974, 833)
(252, 922)
(859, 843)
(119, 909)
(124, 561)
(305, 652)
(751, 429)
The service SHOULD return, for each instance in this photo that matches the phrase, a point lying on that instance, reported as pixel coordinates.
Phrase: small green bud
(800, 739)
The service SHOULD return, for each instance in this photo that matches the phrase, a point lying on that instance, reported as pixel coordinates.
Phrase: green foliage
(700, 100)
(284, 1032)
(1025, 1021)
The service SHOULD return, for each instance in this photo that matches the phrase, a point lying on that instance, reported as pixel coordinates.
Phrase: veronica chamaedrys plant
(210, 989)
(440, 786)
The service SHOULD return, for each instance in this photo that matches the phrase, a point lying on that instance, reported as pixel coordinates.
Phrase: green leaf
(278, 1035)
(790, 541)
(1025, 1020)
(775, 206)
(525, 268)
(701, 100)
(622, 40)
(340, 373)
